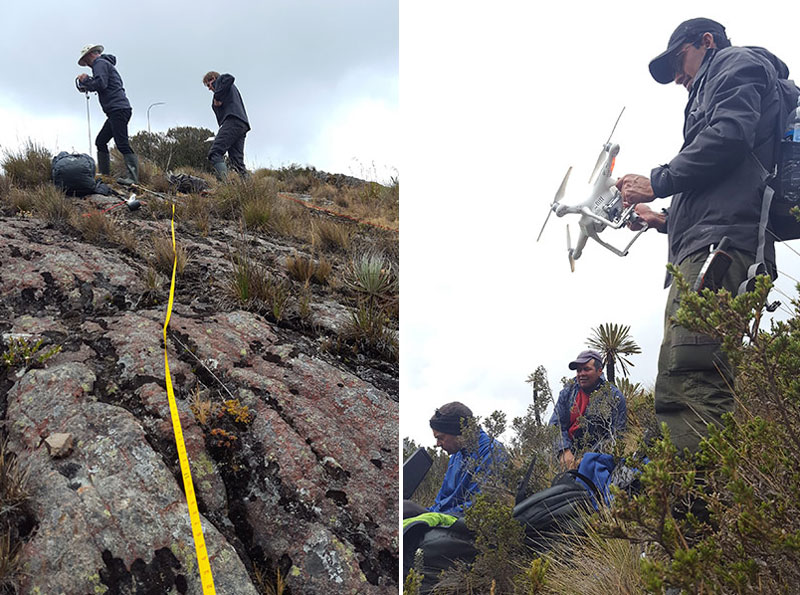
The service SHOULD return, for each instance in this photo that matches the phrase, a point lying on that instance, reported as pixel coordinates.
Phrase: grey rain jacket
(232, 105)
(717, 178)
(107, 82)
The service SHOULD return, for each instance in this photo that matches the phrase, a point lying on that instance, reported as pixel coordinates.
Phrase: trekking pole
(88, 120)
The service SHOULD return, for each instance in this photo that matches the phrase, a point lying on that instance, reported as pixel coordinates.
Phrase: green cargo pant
(694, 383)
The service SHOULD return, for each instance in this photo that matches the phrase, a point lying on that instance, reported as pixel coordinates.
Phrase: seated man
(590, 412)
(466, 467)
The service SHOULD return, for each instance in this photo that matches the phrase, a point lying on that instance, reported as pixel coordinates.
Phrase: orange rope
(335, 214)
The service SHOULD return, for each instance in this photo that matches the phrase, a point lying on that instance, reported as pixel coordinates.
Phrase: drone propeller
(602, 154)
(569, 251)
(556, 200)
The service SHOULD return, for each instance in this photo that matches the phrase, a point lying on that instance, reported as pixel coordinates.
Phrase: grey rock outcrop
(294, 455)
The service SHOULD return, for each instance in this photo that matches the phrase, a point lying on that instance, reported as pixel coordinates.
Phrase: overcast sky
(319, 78)
(498, 101)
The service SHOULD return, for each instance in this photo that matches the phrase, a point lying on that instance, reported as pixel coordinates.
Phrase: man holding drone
(716, 182)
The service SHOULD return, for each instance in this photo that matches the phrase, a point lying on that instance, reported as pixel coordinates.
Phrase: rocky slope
(293, 446)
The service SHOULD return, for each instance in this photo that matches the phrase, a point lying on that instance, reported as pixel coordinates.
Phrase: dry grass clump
(231, 197)
(29, 166)
(52, 205)
(257, 212)
(20, 200)
(324, 192)
(304, 269)
(327, 234)
(164, 256)
(595, 563)
(374, 203)
(203, 407)
(13, 496)
(197, 209)
(96, 226)
(5, 186)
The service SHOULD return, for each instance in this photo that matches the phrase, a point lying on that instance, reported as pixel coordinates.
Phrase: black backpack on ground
(74, 174)
(441, 548)
(558, 511)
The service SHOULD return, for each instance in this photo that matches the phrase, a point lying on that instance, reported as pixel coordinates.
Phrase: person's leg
(236, 155)
(101, 142)
(695, 381)
(119, 126)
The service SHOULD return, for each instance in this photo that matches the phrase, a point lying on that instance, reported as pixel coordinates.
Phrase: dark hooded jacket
(719, 175)
(107, 82)
(231, 101)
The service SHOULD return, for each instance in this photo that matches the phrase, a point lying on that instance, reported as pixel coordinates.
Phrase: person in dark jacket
(233, 124)
(590, 412)
(716, 181)
(107, 83)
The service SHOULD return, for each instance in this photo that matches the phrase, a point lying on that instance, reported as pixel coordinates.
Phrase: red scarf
(581, 402)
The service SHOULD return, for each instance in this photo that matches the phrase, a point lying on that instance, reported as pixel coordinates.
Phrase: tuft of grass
(330, 235)
(52, 205)
(322, 270)
(252, 286)
(14, 494)
(257, 212)
(368, 331)
(153, 280)
(28, 167)
(164, 256)
(21, 200)
(300, 268)
(96, 226)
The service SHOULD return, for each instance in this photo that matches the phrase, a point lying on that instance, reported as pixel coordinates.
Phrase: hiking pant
(695, 381)
(116, 126)
(230, 139)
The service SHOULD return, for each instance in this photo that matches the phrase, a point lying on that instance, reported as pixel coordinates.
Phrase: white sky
(497, 101)
(319, 79)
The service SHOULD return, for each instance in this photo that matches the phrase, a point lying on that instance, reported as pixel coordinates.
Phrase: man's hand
(635, 189)
(649, 216)
(567, 460)
(82, 77)
(216, 103)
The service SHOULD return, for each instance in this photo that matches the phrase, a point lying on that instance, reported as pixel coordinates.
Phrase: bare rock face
(294, 457)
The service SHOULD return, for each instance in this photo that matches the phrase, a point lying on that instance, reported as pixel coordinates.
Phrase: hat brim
(574, 365)
(661, 66)
(96, 48)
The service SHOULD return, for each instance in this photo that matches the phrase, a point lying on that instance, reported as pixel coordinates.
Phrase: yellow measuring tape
(197, 530)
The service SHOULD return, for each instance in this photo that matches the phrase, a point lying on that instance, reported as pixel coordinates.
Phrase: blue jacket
(595, 427)
(107, 82)
(228, 95)
(459, 484)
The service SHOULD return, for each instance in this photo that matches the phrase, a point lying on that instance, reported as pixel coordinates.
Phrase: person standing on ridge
(107, 83)
(717, 181)
(233, 124)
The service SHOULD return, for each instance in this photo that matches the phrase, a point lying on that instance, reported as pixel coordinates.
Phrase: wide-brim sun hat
(88, 49)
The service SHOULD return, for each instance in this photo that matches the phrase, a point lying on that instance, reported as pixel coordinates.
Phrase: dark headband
(449, 424)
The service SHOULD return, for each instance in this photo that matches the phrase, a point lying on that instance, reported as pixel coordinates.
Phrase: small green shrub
(23, 352)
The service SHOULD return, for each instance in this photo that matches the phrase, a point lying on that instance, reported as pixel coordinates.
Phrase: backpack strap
(590, 484)
(759, 267)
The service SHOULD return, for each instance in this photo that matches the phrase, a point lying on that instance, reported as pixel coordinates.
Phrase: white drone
(601, 209)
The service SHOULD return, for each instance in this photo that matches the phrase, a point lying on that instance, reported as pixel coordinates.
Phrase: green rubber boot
(221, 170)
(103, 163)
(132, 165)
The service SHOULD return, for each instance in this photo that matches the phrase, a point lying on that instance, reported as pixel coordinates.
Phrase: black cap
(585, 357)
(687, 32)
